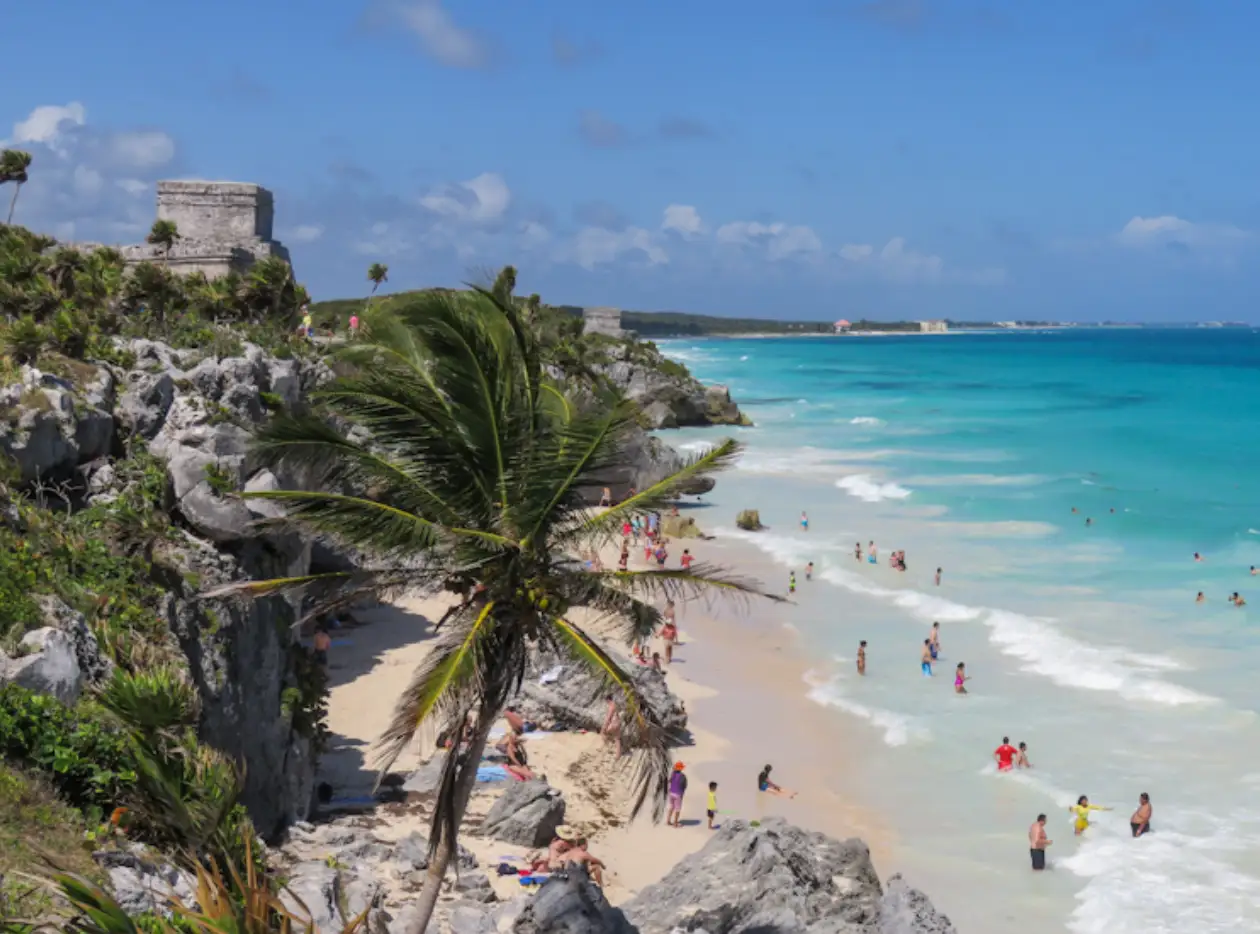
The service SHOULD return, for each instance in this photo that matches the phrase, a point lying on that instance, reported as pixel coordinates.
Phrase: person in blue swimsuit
(804, 522)
(926, 663)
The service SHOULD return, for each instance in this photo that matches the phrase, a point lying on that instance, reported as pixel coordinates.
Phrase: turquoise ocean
(970, 452)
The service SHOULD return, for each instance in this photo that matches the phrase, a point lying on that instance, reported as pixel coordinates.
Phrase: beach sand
(739, 672)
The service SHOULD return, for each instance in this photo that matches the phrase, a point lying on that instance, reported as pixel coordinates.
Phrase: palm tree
(456, 464)
(269, 290)
(163, 234)
(377, 273)
(14, 167)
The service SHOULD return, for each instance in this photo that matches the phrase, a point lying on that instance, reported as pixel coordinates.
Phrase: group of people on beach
(1235, 598)
(1139, 825)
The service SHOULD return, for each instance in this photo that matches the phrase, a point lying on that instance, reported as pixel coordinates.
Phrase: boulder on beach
(680, 527)
(527, 814)
(777, 877)
(749, 520)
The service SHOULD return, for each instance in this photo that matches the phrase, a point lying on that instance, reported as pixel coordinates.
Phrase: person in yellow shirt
(712, 810)
(1081, 809)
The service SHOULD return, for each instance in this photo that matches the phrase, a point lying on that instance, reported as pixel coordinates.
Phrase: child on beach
(791, 582)
(960, 678)
(686, 559)
(1081, 809)
(764, 784)
(712, 809)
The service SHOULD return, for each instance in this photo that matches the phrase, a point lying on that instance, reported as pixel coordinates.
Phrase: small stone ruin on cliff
(223, 227)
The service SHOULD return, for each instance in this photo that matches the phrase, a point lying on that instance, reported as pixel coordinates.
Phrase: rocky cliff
(668, 394)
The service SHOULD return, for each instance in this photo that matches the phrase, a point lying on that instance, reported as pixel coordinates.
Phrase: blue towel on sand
(491, 773)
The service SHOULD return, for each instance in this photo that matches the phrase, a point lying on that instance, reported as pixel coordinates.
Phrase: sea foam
(866, 488)
(867, 420)
(897, 729)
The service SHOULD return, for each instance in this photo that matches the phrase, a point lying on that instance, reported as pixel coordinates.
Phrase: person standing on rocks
(1037, 842)
(677, 788)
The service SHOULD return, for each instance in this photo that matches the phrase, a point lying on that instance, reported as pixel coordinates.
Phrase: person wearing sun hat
(677, 788)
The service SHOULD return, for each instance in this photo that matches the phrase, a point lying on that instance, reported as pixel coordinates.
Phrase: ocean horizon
(1063, 481)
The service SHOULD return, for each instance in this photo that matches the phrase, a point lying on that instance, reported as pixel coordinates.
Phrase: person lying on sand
(764, 784)
(516, 723)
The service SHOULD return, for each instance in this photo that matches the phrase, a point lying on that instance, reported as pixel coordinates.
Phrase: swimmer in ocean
(1005, 755)
(1089, 522)
(1198, 557)
(960, 679)
(926, 658)
(934, 640)
(857, 550)
(1021, 758)
(1074, 509)
(1253, 570)
(1081, 809)
(809, 571)
(1140, 822)
(938, 577)
(804, 522)
(1200, 598)
(861, 660)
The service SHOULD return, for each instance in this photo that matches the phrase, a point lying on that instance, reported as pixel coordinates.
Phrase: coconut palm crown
(452, 461)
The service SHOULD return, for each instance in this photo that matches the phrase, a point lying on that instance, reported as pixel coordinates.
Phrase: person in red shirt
(1005, 755)
(687, 558)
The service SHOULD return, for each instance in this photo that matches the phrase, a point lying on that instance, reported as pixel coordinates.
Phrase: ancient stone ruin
(223, 227)
(602, 320)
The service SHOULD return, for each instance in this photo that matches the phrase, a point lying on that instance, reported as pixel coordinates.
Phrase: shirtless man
(925, 660)
(1037, 842)
(861, 660)
(1140, 822)
(1021, 759)
(934, 638)
(938, 577)
(581, 855)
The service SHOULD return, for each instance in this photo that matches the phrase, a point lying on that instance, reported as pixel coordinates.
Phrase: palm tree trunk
(448, 846)
(13, 201)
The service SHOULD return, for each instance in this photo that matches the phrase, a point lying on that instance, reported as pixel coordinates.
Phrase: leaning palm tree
(455, 464)
(14, 167)
(377, 273)
(163, 234)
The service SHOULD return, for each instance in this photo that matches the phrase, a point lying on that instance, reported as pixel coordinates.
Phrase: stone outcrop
(577, 700)
(777, 877)
(47, 664)
(50, 424)
(527, 814)
(143, 883)
(749, 520)
(668, 395)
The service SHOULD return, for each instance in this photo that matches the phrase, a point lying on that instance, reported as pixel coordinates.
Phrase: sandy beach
(740, 673)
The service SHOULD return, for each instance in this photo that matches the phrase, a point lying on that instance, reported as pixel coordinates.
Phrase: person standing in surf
(809, 571)
(791, 582)
(861, 658)
(934, 640)
(1081, 809)
(857, 550)
(925, 661)
(1021, 760)
(1140, 822)
(804, 521)
(1037, 842)
(960, 679)
(938, 577)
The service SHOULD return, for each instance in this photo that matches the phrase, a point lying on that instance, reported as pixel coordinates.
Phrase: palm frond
(445, 681)
(641, 726)
(701, 582)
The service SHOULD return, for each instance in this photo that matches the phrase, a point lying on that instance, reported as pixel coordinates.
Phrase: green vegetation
(14, 166)
(477, 464)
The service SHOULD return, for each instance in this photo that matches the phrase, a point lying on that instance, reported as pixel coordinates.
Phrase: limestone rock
(413, 851)
(749, 520)
(527, 814)
(96, 667)
(780, 878)
(426, 779)
(570, 903)
(142, 885)
(50, 665)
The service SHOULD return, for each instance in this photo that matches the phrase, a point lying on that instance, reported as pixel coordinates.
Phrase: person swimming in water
(804, 522)
(925, 662)
(1081, 809)
(1089, 522)
(1021, 759)
(861, 658)
(1200, 598)
(960, 678)
(1198, 557)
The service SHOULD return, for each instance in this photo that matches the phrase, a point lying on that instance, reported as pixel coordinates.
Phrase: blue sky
(815, 158)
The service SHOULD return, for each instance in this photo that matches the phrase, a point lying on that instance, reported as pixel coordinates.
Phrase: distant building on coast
(602, 320)
(223, 227)
(933, 327)
(842, 326)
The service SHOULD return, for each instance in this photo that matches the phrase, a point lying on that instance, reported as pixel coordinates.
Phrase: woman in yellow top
(1081, 809)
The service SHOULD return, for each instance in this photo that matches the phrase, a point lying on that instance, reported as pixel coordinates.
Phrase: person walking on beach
(1081, 809)
(711, 811)
(938, 577)
(1140, 822)
(960, 679)
(686, 559)
(1005, 755)
(677, 788)
(861, 659)
(934, 638)
(926, 660)
(1037, 843)
(764, 784)
(1021, 758)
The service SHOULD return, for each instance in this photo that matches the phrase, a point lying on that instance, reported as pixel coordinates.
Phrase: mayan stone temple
(223, 227)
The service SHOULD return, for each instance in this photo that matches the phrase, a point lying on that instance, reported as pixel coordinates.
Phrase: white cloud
(894, 261)
(441, 38)
(133, 186)
(593, 246)
(141, 149)
(385, 240)
(534, 234)
(87, 181)
(303, 233)
(684, 220)
(780, 240)
(1170, 231)
(46, 124)
(480, 200)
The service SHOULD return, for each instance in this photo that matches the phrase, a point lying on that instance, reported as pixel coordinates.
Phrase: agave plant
(468, 470)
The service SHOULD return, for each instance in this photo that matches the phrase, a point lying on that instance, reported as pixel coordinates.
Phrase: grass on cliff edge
(31, 817)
